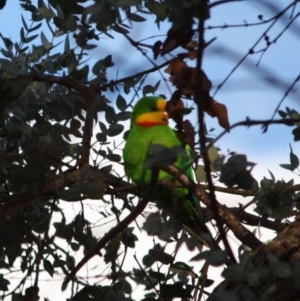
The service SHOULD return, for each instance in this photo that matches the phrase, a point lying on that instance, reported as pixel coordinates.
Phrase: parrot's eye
(153, 109)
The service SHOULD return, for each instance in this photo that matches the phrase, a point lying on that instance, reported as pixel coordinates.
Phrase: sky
(252, 91)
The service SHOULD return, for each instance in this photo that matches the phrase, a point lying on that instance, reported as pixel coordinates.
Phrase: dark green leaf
(112, 249)
(282, 114)
(90, 46)
(37, 53)
(71, 23)
(22, 34)
(107, 62)
(113, 157)
(125, 134)
(3, 283)
(2, 3)
(160, 9)
(29, 39)
(214, 258)
(130, 83)
(281, 213)
(272, 176)
(124, 286)
(81, 74)
(148, 89)
(272, 258)
(61, 24)
(121, 103)
(47, 45)
(233, 273)
(7, 42)
(91, 190)
(67, 43)
(115, 129)
(158, 254)
(226, 295)
(103, 127)
(281, 269)
(58, 263)
(296, 133)
(75, 124)
(24, 23)
(24, 263)
(60, 12)
(13, 89)
(46, 13)
(152, 224)
(181, 267)
(7, 54)
(235, 172)
(174, 291)
(101, 137)
(91, 293)
(123, 116)
(110, 115)
(120, 29)
(157, 275)
(48, 267)
(293, 159)
(287, 166)
(128, 238)
(35, 27)
(135, 17)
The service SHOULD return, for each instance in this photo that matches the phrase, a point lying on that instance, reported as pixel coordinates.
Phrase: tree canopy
(69, 215)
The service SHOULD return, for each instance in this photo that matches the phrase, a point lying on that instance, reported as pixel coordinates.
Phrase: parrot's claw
(166, 183)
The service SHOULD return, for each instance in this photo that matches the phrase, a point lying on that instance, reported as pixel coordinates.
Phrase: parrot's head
(150, 111)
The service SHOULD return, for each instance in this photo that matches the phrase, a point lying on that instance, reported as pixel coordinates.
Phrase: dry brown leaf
(184, 77)
(219, 110)
(190, 133)
(175, 67)
(205, 82)
(175, 107)
(192, 54)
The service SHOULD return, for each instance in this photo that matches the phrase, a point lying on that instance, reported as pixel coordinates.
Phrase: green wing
(136, 150)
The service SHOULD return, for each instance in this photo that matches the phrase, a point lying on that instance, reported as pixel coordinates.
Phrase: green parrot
(149, 126)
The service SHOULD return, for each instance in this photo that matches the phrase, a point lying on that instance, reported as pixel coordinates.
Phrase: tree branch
(118, 228)
(199, 97)
(232, 222)
(249, 122)
(286, 246)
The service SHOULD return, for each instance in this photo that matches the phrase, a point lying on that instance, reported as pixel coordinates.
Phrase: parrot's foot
(166, 183)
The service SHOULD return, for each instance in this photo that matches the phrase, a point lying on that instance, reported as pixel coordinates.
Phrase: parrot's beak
(166, 117)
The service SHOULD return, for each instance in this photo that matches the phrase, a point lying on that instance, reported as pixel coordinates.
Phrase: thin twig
(282, 99)
(145, 274)
(249, 122)
(276, 18)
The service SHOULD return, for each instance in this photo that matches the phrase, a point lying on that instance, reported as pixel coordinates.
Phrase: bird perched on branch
(151, 141)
